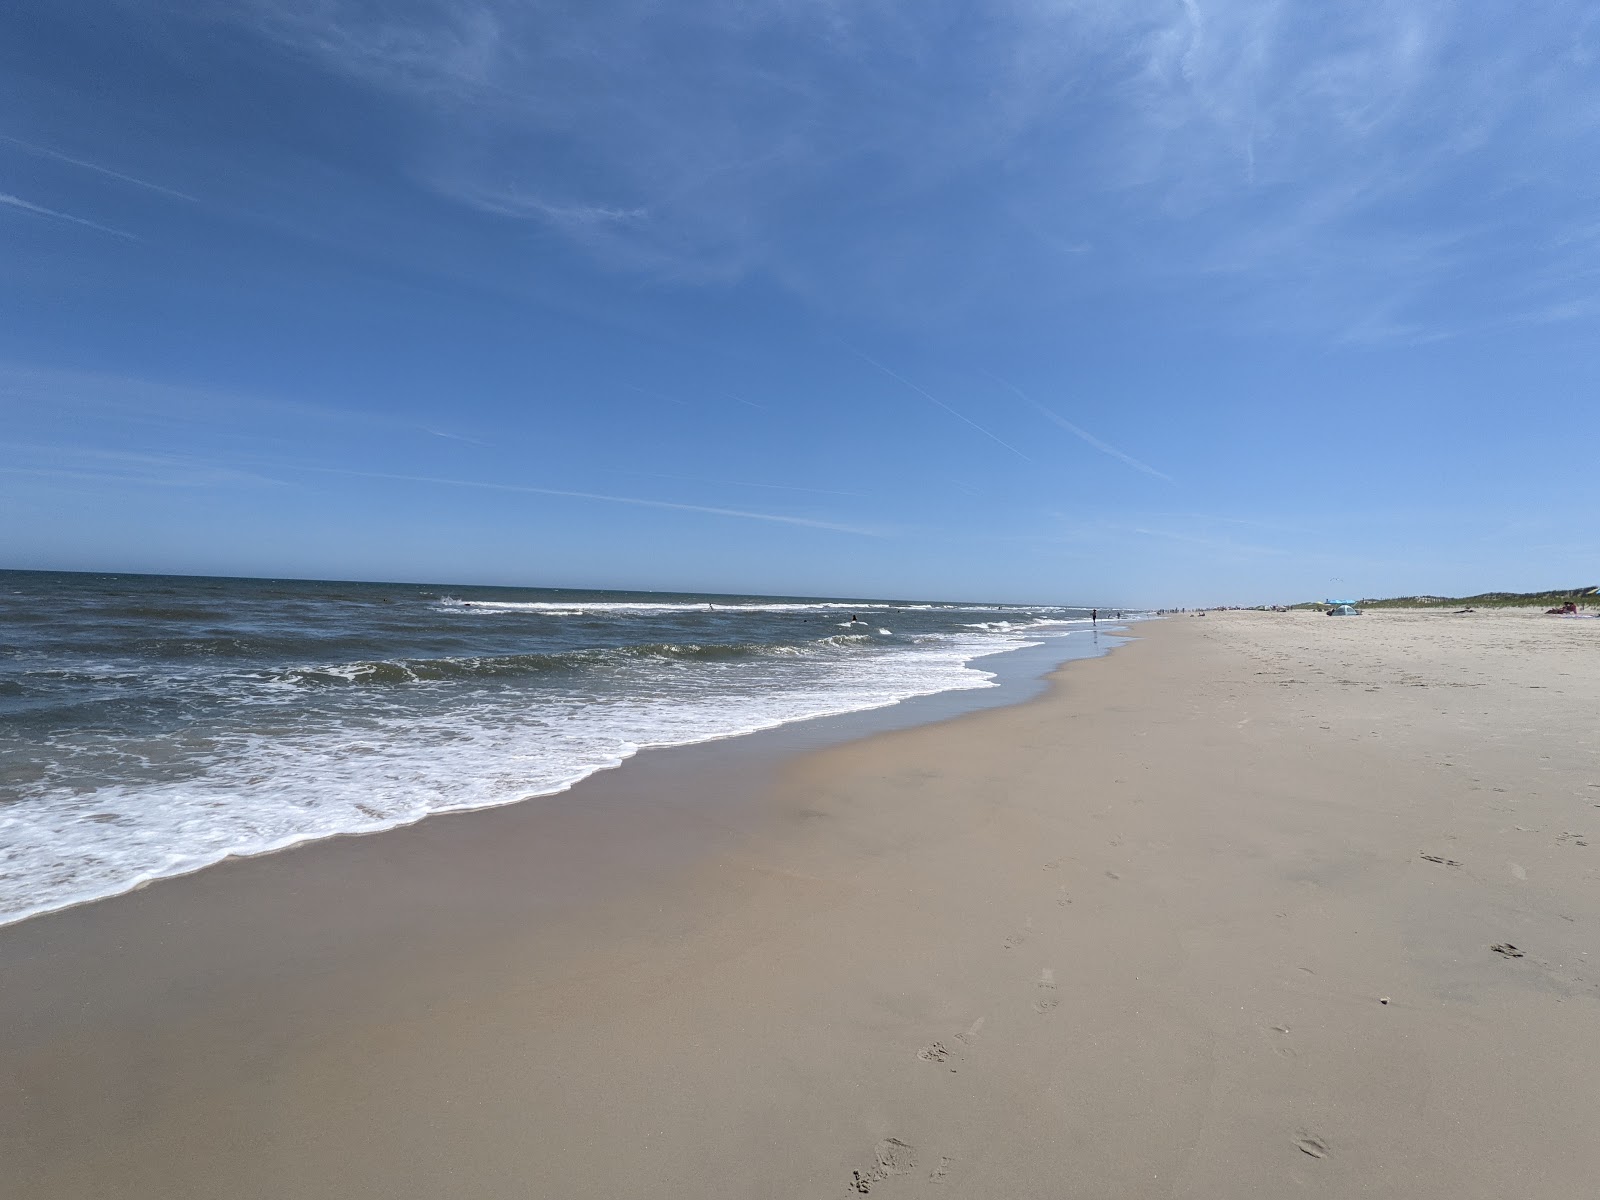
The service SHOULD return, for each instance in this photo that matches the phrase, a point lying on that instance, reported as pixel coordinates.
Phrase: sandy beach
(1258, 905)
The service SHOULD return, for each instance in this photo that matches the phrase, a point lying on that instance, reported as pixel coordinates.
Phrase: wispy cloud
(584, 221)
(46, 152)
(636, 501)
(96, 464)
(453, 437)
(1080, 433)
(441, 49)
(926, 395)
(1276, 525)
(41, 211)
(777, 487)
(163, 409)
(1330, 171)
(570, 216)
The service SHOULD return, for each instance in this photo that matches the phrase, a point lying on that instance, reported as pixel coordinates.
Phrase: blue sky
(1189, 302)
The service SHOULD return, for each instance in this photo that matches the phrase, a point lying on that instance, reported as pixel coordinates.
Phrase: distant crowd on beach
(1569, 608)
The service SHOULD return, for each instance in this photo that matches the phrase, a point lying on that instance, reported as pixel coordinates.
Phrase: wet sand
(1260, 905)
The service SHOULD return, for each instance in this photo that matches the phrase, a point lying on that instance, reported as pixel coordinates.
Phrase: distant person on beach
(1094, 616)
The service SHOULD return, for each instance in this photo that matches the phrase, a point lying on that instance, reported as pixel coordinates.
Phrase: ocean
(151, 725)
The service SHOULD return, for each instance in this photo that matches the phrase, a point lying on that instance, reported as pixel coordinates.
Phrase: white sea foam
(575, 608)
(257, 792)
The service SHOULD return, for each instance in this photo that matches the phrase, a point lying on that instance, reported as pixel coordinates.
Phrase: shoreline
(1223, 914)
(1016, 674)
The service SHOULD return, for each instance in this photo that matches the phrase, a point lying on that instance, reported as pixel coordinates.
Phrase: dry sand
(1216, 917)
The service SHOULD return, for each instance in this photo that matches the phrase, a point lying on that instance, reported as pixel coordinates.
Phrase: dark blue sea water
(150, 725)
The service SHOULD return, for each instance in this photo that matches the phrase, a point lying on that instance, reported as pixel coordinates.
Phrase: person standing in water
(1094, 616)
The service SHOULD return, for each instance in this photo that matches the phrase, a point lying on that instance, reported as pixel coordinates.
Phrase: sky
(1056, 301)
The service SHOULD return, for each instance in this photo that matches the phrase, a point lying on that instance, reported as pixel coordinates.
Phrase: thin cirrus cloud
(94, 464)
(774, 487)
(453, 437)
(571, 216)
(1260, 141)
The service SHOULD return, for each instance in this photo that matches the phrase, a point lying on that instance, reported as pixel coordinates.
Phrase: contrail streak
(89, 166)
(641, 502)
(1084, 434)
(929, 396)
(41, 210)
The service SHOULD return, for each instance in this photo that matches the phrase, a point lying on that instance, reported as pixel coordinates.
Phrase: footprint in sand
(971, 1035)
(934, 1052)
(942, 1171)
(1018, 938)
(1310, 1144)
(1047, 985)
(893, 1157)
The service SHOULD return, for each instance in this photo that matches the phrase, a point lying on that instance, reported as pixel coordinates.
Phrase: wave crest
(430, 670)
